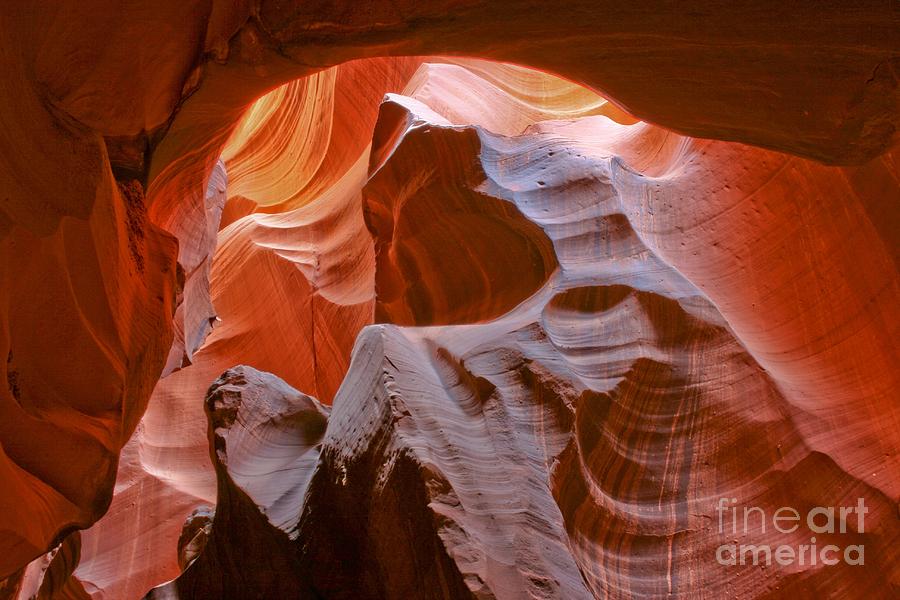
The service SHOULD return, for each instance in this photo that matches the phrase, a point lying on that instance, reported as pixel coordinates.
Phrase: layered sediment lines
(62, 422)
(568, 430)
(279, 283)
(258, 426)
(753, 290)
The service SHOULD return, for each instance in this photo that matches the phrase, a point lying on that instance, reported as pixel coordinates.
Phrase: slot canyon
(321, 299)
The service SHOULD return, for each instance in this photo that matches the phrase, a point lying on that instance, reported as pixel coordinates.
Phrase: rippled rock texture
(572, 331)
(577, 443)
(264, 440)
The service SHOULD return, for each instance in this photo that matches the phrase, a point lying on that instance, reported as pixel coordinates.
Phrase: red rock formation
(195, 313)
(793, 262)
(279, 283)
(445, 253)
(258, 426)
(581, 440)
(49, 576)
(87, 323)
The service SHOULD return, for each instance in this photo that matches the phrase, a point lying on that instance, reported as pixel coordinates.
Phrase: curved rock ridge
(279, 145)
(260, 427)
(655, 61)
(194, 535)
(803, 339)
(97, 289)
(195, 313)
(264, 438)
(445, 253)
(437, 487)
(48, 577)
(279, 284)
(537, 460)
(503, 98)
(295, 142)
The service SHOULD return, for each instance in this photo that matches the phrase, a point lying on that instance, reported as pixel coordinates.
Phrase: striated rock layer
(577, 441)
(285, 322)
(278, 283)
(525, 201)
(258, 426)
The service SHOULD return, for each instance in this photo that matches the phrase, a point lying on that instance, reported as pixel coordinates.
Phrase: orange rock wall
(114, 121)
